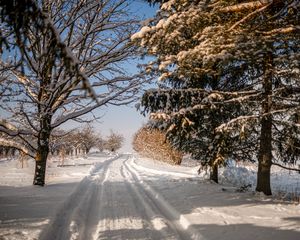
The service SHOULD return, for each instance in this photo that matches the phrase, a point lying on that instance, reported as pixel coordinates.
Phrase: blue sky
(124, 119)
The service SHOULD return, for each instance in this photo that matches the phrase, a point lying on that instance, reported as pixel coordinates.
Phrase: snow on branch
(11, 130)
(283, 30)
(7, 125)
(249, 16)
(19, 146)
(114, 96)
(32, 17)
(287, 123)
(71, 62)
(285, 167)
(211, 101)
(203, 90)
(224, 127)
(246, 6)
(200, 99)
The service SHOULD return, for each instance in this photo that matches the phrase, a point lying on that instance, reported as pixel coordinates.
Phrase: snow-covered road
(124, 197)
(114, 202)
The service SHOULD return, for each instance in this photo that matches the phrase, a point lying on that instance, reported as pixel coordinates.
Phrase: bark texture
(265, 148)
(214, 173)
(42, 152)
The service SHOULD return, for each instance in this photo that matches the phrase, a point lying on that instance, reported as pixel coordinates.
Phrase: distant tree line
(75, 142)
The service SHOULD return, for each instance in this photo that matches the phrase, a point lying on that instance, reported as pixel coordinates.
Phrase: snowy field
(127, 197)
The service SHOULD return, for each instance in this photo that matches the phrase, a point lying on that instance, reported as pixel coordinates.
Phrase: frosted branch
(19, 146)
(246, 6)
(249, 16)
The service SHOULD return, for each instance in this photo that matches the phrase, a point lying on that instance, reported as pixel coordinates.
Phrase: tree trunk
(214, 173)
(42, 152)
(6, 151)
(40, 166)
(13, 152)
(265, 157)
(265, 148)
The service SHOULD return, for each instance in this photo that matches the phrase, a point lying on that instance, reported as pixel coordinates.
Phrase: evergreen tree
(155, 1)
(235, 64)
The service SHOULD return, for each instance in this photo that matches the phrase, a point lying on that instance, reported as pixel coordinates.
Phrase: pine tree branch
(246, 6)
(249, 16)
(287, 168)
(284, 30)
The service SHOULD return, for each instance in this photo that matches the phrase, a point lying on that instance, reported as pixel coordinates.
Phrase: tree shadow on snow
(127, 211)
(19, 202)
(206, 232)
(110, 210)
(293, 219)
(243, 232)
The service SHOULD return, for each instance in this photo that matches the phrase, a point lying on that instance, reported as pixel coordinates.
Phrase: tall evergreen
(229, 73)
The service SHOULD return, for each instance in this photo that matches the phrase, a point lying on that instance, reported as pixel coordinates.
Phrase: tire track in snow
(76, 216)
(128, 212)
(113, 202)
(155, 219)
(122, 214)
(177, 221)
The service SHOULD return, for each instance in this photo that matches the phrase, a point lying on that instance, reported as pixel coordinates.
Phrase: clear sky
(125, 119)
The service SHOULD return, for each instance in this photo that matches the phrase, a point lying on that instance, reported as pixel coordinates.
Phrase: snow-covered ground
(127, 197)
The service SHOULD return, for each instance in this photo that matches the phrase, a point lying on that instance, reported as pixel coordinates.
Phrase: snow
(128, 197)
(167, 5)
(285, 184)
(9, 142)
(144, 30)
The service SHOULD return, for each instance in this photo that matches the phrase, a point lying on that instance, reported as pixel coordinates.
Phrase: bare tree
(88, 138)
(61, 140)
(114, 142)
(23, 18)
(45, 95)
(100, 143)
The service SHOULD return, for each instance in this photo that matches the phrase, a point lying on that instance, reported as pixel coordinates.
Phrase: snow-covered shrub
(238, 176)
